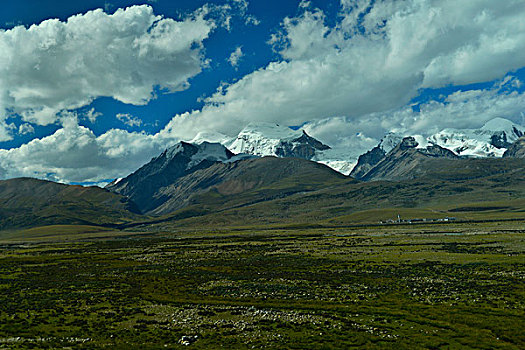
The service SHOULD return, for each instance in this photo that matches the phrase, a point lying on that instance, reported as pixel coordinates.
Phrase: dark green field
(459, 285)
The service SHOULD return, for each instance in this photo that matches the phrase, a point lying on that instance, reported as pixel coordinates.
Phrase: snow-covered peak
(214, 152)
(390, 141)
(422, 141)
(174, 150)
(198, 152)
(491, 140)
(262, 139)
(270, 139)
(270, 131)
(466, 143)
(502, 132)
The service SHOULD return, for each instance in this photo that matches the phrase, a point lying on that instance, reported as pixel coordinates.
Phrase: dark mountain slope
(367, 161)
(404, 162)
(304, 147)
(448, 184)
(246, 181)
(178, 161)
(516, 150)
(27, 202)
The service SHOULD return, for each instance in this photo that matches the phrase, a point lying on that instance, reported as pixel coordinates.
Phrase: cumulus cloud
(75, 154)
(129, 119)
(236, 56)
(468, 109)
(26, 128)
(375, 59)
(92, 115)
(55, 66)
(50, 69)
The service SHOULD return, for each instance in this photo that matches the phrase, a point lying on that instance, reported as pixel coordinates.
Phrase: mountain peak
(408, 142)
(175, 162)
(404, 161)
(270, 139)
(390, 141)
(270, 131)
(198, 152)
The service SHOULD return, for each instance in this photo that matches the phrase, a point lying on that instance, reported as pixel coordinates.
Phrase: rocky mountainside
(244, 182)
(516, 150)
(367, 162)
(445, 182)
(26, 202)
(186, 171)
(405, 161)
(175, 162)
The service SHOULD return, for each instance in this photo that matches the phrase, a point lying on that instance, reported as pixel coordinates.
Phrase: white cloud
(375, 59)
(462, 109)
(232, 8)
(236, 56)
(305, 4)
(26, 128)
(74, 154)
(129, 119)
(92, 115)
(56, 66)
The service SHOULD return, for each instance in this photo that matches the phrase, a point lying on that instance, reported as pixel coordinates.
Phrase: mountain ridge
(404, 161)
(173, 163)
(27, 202)
(516, 150)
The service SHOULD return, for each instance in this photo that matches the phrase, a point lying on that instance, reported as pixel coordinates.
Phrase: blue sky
(97, 93)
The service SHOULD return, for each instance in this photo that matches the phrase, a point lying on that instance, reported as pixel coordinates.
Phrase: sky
(91, 90)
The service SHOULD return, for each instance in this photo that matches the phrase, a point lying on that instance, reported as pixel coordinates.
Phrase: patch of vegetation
(428, 286)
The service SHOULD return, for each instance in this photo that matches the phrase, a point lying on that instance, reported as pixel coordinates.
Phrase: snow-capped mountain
(211, 137)
(269, 139)
(390, 141)
(405, 161)
(175, 162)
(214, 152)
(491, 140)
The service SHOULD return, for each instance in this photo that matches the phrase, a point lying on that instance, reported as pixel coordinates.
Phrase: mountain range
(262, 179)
(268, 139)
(185, 172)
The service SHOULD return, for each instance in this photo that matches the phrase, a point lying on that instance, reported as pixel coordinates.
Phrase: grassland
(459, 285)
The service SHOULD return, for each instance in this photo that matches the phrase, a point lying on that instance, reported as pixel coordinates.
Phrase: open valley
(398, 286)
